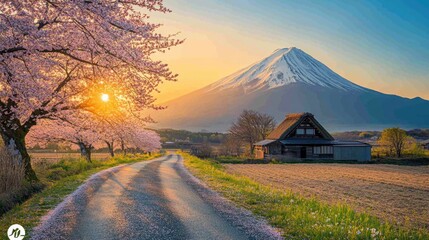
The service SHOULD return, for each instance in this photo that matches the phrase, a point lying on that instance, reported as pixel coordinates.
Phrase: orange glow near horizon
(218, 43)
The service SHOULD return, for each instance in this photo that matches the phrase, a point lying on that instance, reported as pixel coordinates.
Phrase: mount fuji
(285, 66)
(290, 80)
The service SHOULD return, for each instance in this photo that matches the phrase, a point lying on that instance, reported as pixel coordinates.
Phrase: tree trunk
(14, 140)
(85, 151)
(112, 153)
(252, 148)
(110, 147)
(124, 151)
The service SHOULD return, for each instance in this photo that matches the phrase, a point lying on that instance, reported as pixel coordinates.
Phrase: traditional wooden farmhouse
(300, 136)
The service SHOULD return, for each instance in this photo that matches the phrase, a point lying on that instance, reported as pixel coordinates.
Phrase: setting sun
(105, 97)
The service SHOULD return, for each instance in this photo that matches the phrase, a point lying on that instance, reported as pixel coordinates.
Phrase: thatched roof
(291, 122)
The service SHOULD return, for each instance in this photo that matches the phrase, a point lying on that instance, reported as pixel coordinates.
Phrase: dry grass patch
(13, 187)
(54, 157)
(11, 172)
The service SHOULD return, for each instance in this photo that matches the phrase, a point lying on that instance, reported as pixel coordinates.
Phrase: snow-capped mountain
(290, 80)
(283, 67)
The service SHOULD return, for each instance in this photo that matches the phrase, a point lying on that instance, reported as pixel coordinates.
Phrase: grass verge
(295, 216)
(61, 179)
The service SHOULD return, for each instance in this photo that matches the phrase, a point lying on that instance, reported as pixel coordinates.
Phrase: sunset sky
(382, 46)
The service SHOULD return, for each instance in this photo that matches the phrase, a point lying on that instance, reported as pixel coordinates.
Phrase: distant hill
(418, 134)
(288, 81)
(173, 135)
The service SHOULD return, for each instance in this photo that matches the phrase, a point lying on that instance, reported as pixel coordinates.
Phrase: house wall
(346, 153)
(309, 152)
(259, 152)
(274, 148)
(291, 151)
(357, 153)
(312, 155)
(303, 152)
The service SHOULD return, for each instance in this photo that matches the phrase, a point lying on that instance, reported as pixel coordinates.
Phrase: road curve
(155, 199)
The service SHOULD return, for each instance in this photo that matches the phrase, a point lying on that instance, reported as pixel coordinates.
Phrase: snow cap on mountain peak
(285, 50)
(283, 67)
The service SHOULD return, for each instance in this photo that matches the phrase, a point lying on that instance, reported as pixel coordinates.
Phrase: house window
(309, 131)
(323, 150)
(316, 150)
(327, 150)
(300, 131)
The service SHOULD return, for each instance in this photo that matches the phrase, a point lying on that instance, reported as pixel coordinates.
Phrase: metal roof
(264, 142)
(350, 143)
(313, 141)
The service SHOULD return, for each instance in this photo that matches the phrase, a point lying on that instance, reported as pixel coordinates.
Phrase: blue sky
(382, 45)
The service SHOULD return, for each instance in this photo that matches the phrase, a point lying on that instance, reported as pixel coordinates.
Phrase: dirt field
(399, 194)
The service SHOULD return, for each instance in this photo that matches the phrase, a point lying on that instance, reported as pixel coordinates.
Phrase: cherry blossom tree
(108, 132)
(109, 136)
(88, 131)
(82, 135)
(131, 133)
(145, 140)
(58, 56)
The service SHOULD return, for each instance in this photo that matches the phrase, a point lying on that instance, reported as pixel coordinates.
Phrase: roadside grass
(297, 217)
(405, 161)
(416, 161)
(61, 179)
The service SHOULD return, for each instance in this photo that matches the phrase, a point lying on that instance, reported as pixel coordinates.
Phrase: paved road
(147, 200)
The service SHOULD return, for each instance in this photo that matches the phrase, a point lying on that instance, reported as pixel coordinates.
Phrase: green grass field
(295, 216)
(61, 178)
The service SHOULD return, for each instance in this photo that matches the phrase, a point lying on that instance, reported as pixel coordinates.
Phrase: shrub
(202, 151)
(68, 167)
(56, 174)
(18, 195)
(416, 150)
(274, 161)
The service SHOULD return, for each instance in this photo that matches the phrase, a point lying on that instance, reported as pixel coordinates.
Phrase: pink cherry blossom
(88, 132)
(56, 55)
(83, 135)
